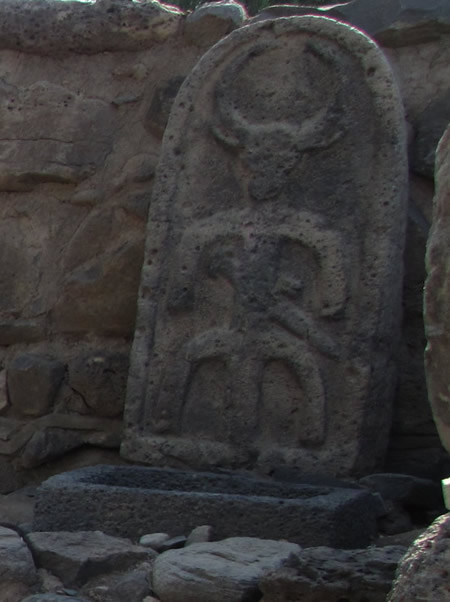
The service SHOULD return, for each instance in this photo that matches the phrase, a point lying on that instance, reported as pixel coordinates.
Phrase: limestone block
(328, 575)
(17, 570)
(275, 247)
(437, 297)
(33, 381)
(223, 571)
(423, 572)
(78, 557)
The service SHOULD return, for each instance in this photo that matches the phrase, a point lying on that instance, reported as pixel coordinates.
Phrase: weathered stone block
(100, 295)
(430, 126)
(131, 501)
(269, 303)
(33, 381)
(77, 557)
(100, 378)
(437, 297)
(224, 571)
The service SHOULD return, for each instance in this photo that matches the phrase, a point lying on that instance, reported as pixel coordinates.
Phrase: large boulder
(17, 571)
(423, 574)
(328, 575)
(78, 557)
(223, 571)
(437, 296)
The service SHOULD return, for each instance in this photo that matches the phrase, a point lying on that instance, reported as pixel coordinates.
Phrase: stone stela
(270, 295)
(436, 302)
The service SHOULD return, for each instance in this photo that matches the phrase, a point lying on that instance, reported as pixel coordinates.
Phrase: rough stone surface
(33, 381)
(213, 20)
(64, 435)
(407, 489)
(17, 507)
(430, 127)
(437, 297)
(161, 104)
(224, 571)
(423, 574)
(100, 379)
(17, 570)
(272, 295)
(78, 557)
(48, 437)
(200, 534)
(392, 22)
(53, 598)
(326, 575)
(49, 26)
(132, 501)
(35, 159)
(85, 95)
(422, 71)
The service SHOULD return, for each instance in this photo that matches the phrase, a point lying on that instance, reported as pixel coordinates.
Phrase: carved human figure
(283, 277)
(262, 246)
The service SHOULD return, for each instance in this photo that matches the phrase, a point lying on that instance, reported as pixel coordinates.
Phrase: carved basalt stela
(269, 302)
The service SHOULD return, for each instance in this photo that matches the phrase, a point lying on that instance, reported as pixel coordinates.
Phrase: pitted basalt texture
(133, 501)
(50, 27)
(274, 241)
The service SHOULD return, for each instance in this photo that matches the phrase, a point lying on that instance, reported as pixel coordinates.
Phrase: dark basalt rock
(131, 501)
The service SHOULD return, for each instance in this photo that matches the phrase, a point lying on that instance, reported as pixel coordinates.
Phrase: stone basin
(132, 501)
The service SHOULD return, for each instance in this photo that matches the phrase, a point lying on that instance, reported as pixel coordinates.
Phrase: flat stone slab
(132, 501)
(77, 557)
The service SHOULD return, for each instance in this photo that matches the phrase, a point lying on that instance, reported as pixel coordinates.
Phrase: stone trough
(133, 501)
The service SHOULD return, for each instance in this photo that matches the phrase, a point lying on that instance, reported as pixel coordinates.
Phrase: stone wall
(85, 93)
